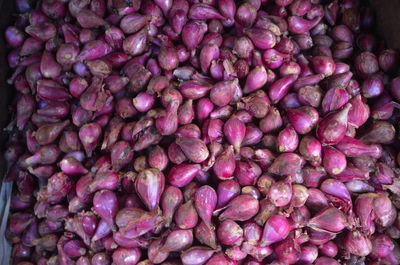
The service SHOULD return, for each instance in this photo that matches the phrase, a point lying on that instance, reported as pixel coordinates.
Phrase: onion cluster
(192, 132)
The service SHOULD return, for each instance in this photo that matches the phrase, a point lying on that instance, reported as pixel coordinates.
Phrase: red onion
(276, 229)
(385, 131)
(366, 64)
(241, 208)
(280, 165)
(372, 86)
(281, 87)
(280, 193)
(126, 256)
(246, 14)
(337, 192)
(309, 253)
(205, 200)
(303, 119)
(205, 235)
(332, 128)
(316, 200)
(352, 147)
(382, 245)
(273, 58)
(334, 161)
(224, 165)
(108, 210)
(310, 149)
(227, 190)
(136, 43)
(197, 255)
(149, 186)
(326, 261)
(192, 33)
(222, 92)
(262, 38)
(178, 240)
(329, 249)
(186, 216)
(359, 112)
(272, 121)
(230, 233)
(247, 172)
(329, 219)
(288, 251)
(357, 243)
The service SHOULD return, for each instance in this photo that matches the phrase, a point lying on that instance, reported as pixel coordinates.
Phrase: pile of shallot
(194, 132)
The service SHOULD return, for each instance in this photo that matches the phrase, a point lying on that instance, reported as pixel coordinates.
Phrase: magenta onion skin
(329, 249)
(280, 193)
(329, 219)
(149, 186)
(372, 86)
(323, 65)
(186, 216)
(226, 191)
(299, 25)
(366, 64)
(218, 259)
(281, 87)
(385, 131)
(158, 158)
(287, 140)
(196, 255)
(272, 121)
(337, 192)
(334, 161)
(333, 127)
(288, 251)
(135, 44)
(309, 253)
(205, 235)
(234, 130)
(194, 149)
(279, 166)
(192, 33)
(247, 172)
(170, 200)
(276, 229)
(222, 92)
(225, 165)
(246, 14)
(106, 211)
(359, 111)
(181, 175)
(229, 233)
(382, 245)
(334, 99)
(241, 208)
(352, 147)
(126, 256)
(178, 240)
(310, 96)
(357, 243)
(205, 201)
(310, 148)
(102, 230)
(326, 261)
(262, 38)
(273, 58)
